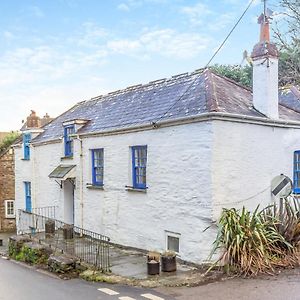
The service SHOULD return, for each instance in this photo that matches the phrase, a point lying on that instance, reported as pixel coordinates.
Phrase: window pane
(139, 166)
(98, 161)
(173, 244)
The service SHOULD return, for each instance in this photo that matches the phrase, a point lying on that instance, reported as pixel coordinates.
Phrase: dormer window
(68, 140)
(26, 145)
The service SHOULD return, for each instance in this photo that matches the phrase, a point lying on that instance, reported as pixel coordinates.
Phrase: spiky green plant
(287, 214)
(248, 242)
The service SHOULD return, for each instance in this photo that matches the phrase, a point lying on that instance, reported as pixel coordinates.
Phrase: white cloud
(196, 13)
(36, 12)
(164, 42)
(221, 22)
(8, 35)
(124, 46)
(123, 7)
(91, 35)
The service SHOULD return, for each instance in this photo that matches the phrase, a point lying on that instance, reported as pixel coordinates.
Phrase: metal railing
(46, 211)
(88, 246)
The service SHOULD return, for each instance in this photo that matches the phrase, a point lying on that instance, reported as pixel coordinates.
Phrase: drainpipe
(80, 180)
(33, 178)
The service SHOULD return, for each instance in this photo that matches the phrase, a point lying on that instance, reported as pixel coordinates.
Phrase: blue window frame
(97, 166)
(139, 166)
(297, 172)
(68, 130)
(26, 145)
(28, 196)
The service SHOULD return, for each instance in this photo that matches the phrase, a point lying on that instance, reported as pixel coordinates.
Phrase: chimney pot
(265, 72)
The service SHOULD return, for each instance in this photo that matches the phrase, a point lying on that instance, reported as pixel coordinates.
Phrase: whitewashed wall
(178, 198)
(246, 157)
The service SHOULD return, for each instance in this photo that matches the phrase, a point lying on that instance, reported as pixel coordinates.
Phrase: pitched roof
(184, 95)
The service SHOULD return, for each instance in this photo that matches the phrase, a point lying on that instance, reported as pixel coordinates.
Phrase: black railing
(90, 247)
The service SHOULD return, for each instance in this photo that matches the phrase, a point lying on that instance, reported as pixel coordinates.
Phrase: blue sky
(54, 53)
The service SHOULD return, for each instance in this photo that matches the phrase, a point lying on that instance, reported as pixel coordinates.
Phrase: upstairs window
(68, 130)
(9, 209)
(172, 241)
(97, 166)
(26, 145)
(139, 166)
(297, 172)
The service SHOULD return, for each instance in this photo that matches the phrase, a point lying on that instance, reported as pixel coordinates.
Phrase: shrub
(251, 243)
(8, 140)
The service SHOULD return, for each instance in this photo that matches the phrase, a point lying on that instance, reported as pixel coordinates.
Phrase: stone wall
(7, 188)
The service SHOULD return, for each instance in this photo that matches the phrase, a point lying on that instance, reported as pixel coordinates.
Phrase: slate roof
(184, 95)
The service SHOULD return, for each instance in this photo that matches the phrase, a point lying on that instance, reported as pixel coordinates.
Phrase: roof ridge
(141, 85)
(211, 99)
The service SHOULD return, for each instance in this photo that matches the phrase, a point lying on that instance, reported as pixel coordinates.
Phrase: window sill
(25, 159)
(66, 157)
(10, 217)
(94, 187)
(133, 189)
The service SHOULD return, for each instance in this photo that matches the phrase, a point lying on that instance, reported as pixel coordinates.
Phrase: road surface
(19, 282)
(285, 286)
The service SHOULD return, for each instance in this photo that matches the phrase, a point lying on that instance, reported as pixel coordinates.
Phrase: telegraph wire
(206, 66)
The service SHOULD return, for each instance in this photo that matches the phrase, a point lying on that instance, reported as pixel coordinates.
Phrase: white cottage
(152, 166)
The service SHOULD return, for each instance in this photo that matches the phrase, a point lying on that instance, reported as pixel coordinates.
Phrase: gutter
(201, 118)
(227, 117)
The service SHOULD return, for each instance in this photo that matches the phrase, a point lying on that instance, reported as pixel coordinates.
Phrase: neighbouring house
(152, 166)
(7, 190)
(7, 173)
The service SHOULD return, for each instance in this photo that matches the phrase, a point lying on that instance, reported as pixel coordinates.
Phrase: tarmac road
(19, 282)
(285, 286)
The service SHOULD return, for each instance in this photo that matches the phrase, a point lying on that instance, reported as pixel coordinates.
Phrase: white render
(193, 170)
(246, 157)
(265, 86)
(172, 202)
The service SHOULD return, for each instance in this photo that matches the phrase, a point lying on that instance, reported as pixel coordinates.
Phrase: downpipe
(81, 181)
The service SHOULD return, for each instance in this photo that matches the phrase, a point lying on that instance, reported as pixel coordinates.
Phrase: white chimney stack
(265, 72)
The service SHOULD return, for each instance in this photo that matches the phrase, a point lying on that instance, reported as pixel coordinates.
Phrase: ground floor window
(172, 241)
(10, 209)
(297, 172)
(27, 186)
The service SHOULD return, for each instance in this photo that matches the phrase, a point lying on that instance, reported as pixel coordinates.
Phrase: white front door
(68, 202)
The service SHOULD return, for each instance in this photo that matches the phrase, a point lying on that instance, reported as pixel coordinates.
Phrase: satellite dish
(281, 186)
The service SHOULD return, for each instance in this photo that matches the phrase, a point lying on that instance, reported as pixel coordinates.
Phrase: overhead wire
(206, 66)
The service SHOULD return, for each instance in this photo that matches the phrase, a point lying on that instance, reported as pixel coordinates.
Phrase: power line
(214, 55)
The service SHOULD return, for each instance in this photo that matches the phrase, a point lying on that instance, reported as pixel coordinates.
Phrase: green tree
(240, 74)
(289, 42)
(8, 140)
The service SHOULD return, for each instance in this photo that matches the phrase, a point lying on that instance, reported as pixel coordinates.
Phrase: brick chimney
(45, 120)
(33, 121)
(265, 71)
